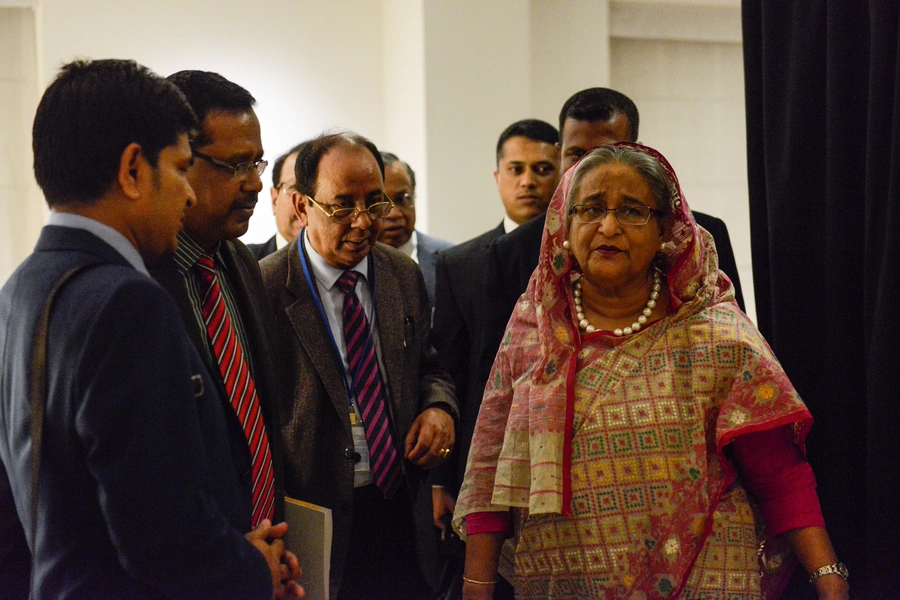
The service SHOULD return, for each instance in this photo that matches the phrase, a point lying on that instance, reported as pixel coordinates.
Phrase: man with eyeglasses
(398, 229)
(370, 408)
(216, 283)
(287, 223)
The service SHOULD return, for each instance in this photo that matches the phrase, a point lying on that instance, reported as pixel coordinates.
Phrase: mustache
(246, 201)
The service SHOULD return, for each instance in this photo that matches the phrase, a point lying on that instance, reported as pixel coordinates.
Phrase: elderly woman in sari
(638, 438)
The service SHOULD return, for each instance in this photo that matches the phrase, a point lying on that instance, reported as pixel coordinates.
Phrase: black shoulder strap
(39, 393)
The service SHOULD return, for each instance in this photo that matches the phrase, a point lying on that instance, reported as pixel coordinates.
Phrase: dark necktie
(384, 461)
(239, 385)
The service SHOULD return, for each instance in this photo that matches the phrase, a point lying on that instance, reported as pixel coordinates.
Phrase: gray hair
(646, 166)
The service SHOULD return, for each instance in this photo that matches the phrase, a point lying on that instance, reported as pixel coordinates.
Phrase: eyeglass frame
(653, 212)
(409, 203)
(249, 166)
(356, 212)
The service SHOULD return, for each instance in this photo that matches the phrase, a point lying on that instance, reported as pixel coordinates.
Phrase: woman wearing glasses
(638, 438)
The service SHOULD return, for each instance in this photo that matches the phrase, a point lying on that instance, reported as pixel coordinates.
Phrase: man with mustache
(287, 223)
(216, 283)
(370, 409)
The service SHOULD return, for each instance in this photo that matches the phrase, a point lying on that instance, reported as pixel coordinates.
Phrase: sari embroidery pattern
(644, 475)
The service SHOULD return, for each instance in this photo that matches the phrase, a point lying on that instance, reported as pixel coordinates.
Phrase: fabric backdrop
(823, 136)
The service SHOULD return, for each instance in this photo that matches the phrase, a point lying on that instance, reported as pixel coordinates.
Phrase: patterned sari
(612, 452)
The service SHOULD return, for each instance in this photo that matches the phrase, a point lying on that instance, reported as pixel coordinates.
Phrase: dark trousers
(381, 561)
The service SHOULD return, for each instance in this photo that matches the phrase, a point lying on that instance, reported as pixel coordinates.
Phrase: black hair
(390, 158)
(207, 91)
(533, 129)
(601, 104)
(279, 164)
(87, 117)
(310, 153)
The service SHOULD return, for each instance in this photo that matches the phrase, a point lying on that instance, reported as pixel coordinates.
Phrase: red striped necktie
(384, 461)
(239, 385)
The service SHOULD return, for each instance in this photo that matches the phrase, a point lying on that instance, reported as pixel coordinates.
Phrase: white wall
(22, 209)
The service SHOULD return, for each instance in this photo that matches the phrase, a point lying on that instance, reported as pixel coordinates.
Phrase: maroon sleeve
(779, 477)
(488, 522)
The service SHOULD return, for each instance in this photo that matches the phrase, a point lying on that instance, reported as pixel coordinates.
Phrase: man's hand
(442, 502)
(283, 565)
(430, 435)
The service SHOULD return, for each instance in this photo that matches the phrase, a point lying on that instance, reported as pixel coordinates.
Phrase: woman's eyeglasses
(626, 215)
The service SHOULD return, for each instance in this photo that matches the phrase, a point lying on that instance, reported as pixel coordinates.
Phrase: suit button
(351, 454)
(247, 478)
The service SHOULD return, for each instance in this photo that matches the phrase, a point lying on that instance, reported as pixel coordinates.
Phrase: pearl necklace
(634, 327)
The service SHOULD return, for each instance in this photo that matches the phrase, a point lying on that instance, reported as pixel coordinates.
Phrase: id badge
(360, 445)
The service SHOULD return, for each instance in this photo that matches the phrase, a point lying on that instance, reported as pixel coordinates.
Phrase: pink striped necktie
(368, 386)
(239, 385)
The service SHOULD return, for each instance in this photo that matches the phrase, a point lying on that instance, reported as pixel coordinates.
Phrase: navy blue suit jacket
(134, 500)
(429, 248)
(260, 251)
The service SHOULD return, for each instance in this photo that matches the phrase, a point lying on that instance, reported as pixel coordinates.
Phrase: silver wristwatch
(837, 568)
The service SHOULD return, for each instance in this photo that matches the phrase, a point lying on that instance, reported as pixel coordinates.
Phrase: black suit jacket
(260, 251)
(463, 308)
(259, 327)
(134, 501)
(319, 454)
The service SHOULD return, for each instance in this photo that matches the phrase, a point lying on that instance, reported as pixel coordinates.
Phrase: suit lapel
(391, 325)
(314, 334)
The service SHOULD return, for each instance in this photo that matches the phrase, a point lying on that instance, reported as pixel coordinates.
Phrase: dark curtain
(823, 140)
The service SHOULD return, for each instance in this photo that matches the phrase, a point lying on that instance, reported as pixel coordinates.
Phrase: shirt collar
(280, 241)
(411, 247)
(508, 224)
(189, 252)
(106, 233)
(324, 273)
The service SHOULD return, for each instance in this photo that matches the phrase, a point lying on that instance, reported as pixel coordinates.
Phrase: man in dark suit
(287, 223)
(370, 406)
(527, 175)
(133, 499)
(212, 266)
(398, 228)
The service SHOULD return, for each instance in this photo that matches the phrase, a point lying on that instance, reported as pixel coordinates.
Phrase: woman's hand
(813, 548)
(832, 587)
(482, 558)
(477, 591)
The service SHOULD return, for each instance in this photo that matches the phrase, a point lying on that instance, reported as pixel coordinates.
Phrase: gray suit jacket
(428, 250)
(319, 454)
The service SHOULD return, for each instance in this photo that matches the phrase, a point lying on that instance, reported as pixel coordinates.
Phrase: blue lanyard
(311, 282)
